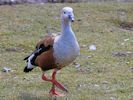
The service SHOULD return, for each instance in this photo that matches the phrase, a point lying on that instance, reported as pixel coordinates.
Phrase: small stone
(131, 68)
(77, 66)
(88, 69)
(6, 69)
(79, 85)
(92, 47)
(83, 46)
(127, 62)
(96, 85)
(126, 40)
(112, 98)
(105, 82)
(89, 57)
(122, 43)
(15, 77)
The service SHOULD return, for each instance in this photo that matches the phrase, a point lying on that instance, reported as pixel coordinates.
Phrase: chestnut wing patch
(39, 51)
(43, 47)
(46, 60)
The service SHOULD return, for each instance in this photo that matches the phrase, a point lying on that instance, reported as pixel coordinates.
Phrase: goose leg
(53, 91)
(55, 83)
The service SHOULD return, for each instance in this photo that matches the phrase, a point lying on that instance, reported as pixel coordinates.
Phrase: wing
(43, 44)
(43, 54)
(46, 41)
(45, 59)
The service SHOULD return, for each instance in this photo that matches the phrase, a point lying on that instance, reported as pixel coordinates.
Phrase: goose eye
(64, 12)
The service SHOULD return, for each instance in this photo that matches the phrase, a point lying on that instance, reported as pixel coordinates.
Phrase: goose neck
(66, 27)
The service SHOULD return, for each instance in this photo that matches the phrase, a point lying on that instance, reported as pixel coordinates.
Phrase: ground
(102, 74)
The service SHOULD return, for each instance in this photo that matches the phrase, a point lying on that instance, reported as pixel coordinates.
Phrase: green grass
(103, 76)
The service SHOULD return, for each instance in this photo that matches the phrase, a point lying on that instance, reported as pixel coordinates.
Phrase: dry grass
(107, 75)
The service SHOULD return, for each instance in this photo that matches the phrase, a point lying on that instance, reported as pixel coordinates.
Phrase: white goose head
(67, 15)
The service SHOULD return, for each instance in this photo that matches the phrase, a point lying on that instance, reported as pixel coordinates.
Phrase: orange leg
(55, 83)
(54, 92)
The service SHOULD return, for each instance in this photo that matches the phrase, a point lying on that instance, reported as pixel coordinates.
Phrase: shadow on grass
(28, 96)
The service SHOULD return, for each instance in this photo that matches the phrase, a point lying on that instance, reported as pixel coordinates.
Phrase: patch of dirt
(16, 49)
(122, 54)
(127, 25)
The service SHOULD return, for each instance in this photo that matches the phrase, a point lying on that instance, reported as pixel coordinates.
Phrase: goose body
(55, 51)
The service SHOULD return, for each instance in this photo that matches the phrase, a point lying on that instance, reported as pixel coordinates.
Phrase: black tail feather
(26, 70)
(38, 51)
(26, 58)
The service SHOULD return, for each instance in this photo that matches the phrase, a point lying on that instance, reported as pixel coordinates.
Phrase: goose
(55, 51)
